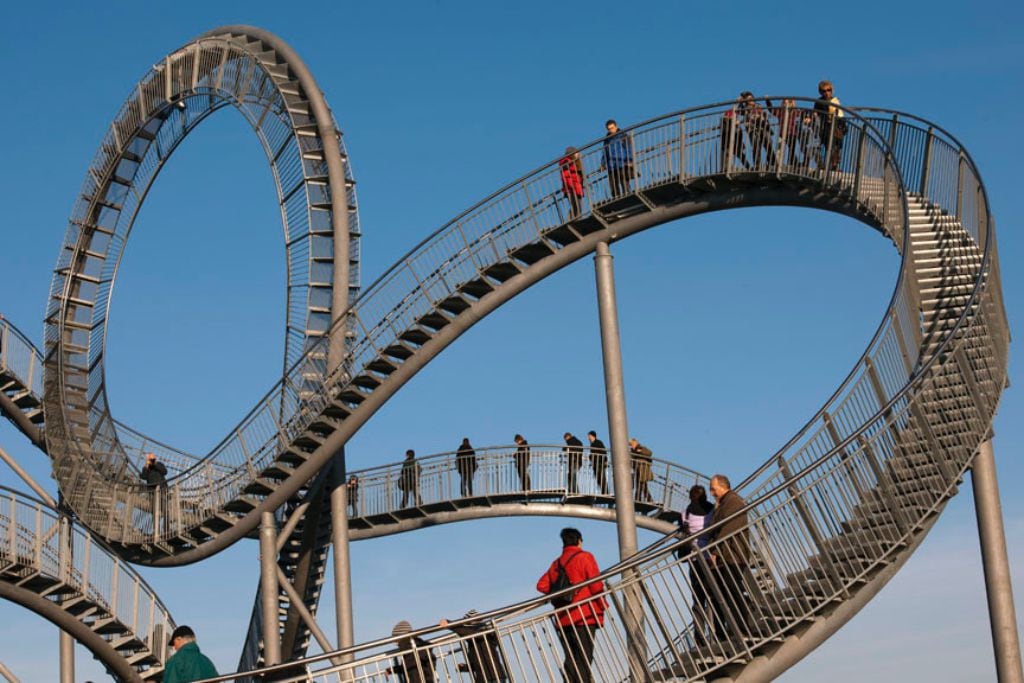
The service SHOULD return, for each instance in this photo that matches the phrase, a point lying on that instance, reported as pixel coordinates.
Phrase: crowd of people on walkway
(718, 553)
(753, 136)
(575, 458)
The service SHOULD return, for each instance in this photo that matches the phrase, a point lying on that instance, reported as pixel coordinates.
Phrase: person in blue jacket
(618, 158)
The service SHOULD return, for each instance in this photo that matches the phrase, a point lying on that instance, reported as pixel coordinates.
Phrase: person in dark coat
(759, 131)
(485, 660)
(640, 457)
(571, 169)
(154, 472)
(188, 663)
(523, 462)
(573, 450)
(409, 479)
(693, 520)
(353, 495)
(599, 461)
(465, 462)
(412, 666)
(730, 559)
(831, 125)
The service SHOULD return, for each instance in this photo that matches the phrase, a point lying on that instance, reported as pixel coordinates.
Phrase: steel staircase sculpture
(59, 570)
(841, 507)
(833, 514)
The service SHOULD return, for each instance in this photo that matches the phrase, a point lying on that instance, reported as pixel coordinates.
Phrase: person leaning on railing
(481, 648)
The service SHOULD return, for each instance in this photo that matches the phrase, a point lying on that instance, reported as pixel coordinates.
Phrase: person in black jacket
(484, 658)
(573, 450)
(465, 462)
(523, 462)
(599, 461)
(154, 472)
(409, 479)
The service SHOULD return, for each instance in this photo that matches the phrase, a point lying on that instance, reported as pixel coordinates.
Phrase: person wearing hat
(571, 166)
(414, 662)
(481, 648)
(188, 663)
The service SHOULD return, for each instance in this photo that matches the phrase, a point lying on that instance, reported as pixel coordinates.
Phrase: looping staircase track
(841, 507)
(834, 513)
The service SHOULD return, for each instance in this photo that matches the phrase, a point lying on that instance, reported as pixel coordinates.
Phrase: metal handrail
(380, 492)
(870, 444)
(304, 389)
(18, 356)
(52, 544)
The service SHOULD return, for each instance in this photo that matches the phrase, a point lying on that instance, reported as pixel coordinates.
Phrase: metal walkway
(833, 514)
(55, 568)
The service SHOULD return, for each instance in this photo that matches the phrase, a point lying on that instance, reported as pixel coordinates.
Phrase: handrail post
(682, 149)
(926, 164)
(729, 152)
(826, 171)
(783, 130)
(858, 163)
(960, 187)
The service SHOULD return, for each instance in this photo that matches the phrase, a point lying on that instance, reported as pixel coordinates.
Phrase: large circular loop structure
(832, 515)
(263, 79)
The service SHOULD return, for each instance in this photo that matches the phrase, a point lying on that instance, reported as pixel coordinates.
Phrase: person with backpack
(580, 612)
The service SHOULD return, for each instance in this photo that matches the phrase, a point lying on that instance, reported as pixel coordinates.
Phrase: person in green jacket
(188, 663)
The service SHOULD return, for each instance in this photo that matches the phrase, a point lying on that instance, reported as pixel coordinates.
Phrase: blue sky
(736, 326)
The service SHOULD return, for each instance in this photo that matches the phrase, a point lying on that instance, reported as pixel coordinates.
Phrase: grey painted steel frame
(337, 171)
(740, 196)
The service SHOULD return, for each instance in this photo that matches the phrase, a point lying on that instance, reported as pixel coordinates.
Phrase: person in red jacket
(578, 622)
(571, 167)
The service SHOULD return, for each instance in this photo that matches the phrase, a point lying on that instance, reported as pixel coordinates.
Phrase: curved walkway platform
(382, 507)
(833, 514)
(58, 570)
(838, 510)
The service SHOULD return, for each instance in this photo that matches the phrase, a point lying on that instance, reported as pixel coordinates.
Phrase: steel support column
(269, 589)
(998, 585)
(618, 432)
(67, 658)
(340, 541)
(615, 397)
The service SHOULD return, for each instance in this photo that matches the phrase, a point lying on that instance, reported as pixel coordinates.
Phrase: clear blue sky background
(736, 326)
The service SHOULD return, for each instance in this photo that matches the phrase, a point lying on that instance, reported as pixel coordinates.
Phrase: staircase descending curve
(842, 506)
(450, 281)
(60, 571)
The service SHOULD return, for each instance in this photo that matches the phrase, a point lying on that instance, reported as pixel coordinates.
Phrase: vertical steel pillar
(998, 586)
(269, 589)
(342, 566)
(67, 658)
(618, 432)
(615, 397)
